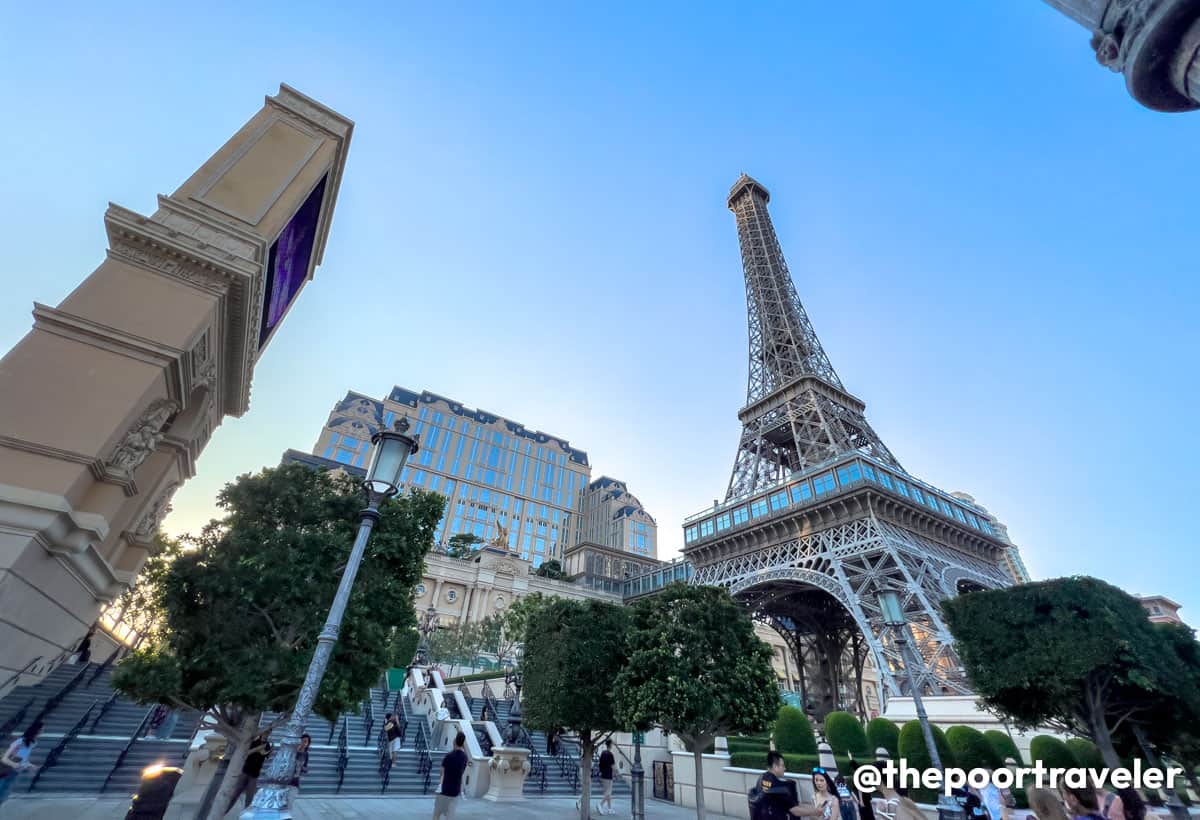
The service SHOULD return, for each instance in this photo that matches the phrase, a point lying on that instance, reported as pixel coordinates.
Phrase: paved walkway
(353, 808)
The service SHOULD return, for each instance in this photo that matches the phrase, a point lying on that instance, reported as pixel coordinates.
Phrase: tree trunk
(698, 746)
(1098, 728)
(587, 745)
(245, 733)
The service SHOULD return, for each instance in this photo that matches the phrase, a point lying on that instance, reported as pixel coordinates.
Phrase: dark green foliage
(573, 652)
(793, 733)
(1086, 753)
(1052, 752)
(796, 763)
(971, 749)
(883, 733)
(462, 545)
(846, 735)
(242, 604)
(913, 748)
(1073, 653)
(553, 570)
(1003, 746)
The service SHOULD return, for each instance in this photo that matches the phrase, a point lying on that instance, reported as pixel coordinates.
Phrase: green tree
(1173, 725)
(884, 734)
(1003, 746)
(1051, 753)
(1074, 654)
(462, 545)
(510, 638)
(1086, 753)
(794, 733)
(846, 736)
(971, 749)
(573, 652)
(553, 570)
(243, 602)
(697, 670)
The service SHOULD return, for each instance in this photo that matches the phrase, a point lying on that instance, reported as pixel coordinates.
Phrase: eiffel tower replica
(820, 517)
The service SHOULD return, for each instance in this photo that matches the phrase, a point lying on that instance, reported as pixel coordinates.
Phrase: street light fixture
(392, 450)
(893, 617)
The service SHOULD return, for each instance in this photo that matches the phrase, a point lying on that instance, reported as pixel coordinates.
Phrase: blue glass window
(959, 515)
(723, 523)
(779, 500)
(971, 520)
(494, 457)
(916, 494)
(869, 472)
(706, 527)
(689, 534)
(824, 483)
(801, 492)
(741, 515)
(758, 507)
(932, 501)
(849, 474)
(986, 527)
(344, 456)
(885, 479)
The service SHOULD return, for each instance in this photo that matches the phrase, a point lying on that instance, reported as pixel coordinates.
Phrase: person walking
(607, 764)
(775, 798)
(15, 759)
(301, 765)
(1046, 804)
(395, 737)
(247, 782)
(454, 765)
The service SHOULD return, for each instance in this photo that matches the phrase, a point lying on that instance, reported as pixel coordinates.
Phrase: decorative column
(1155, 44)
(108, 401)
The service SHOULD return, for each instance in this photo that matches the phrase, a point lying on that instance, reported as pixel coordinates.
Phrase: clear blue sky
(995, 243)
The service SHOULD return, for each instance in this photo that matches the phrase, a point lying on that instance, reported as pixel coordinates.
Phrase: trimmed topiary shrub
(913, 749)
(1086, 753)
(793, 732)
(1052, 752)
(971, 749)
(1003, 745)
(846, 736)
(882, 732)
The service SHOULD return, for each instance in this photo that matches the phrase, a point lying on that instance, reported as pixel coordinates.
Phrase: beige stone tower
(107, 402)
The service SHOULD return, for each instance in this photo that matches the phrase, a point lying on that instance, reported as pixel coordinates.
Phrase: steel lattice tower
(819, 515)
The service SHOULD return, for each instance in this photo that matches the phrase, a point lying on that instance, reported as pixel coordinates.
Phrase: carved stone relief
(142, 438)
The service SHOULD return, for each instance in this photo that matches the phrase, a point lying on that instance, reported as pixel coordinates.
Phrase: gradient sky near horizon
(995, 243)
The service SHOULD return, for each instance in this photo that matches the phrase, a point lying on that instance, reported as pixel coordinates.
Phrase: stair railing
(385, 759)
(368, 715)
(108, 662)
(133, 738)
(485, 740)
(13, 722)
(55, 753)
(343, 758)
(58, 696)
(108, 704)
(16, 675)
(537, 763)
(333, 724)
(424, 760)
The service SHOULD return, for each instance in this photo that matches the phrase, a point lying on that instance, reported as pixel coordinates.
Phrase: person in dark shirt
(394, 736)
(777, 798)
(454, 765)
(247, 782)
(607, 763)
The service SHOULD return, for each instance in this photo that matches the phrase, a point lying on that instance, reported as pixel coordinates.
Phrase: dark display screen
(287, 266)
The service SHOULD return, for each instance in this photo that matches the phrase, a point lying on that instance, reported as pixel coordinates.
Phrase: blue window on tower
(959, 515)
(932, 501)
(986, 527)
(945, 508)
(494, 457)
(801, 492)
(706, 527)
(901, 488)
(885, 479)
(824, 483)
(758, 507)
(869, 472)
(849, 474)
(916, 494)
(344, 456)
(741, 515)
(971, 520)
(779, 500)
(722, 524)
(689, 534)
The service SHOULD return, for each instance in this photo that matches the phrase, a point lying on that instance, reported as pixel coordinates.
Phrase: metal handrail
(55, 753)
(137, 733)
(108, 662)
(424, 760)
(385, 759)
(368, 718)
(58, 696)
(333, 724)
(13, 722)
(343, 758)
(108, 704)
(16, 675)
(485, 740)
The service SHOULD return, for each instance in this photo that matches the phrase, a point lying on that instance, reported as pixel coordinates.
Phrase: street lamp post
(637, 777)
(426, 627)
(392, 449)
(893, 616)
(1174, 805)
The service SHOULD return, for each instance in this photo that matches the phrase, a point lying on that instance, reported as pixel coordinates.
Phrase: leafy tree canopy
(884, 734)
(462, 545)
(794, 733)
(242, 603)
(846, 735)
(1073, 653)
(553, 570)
